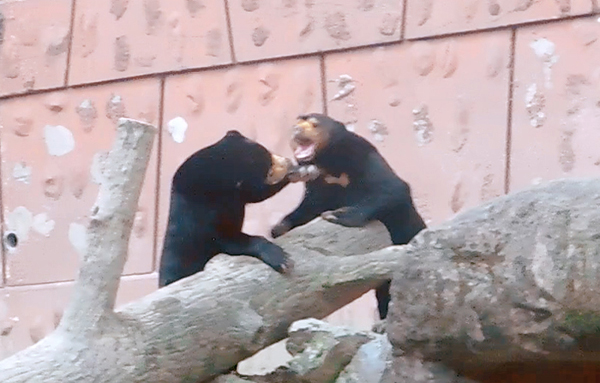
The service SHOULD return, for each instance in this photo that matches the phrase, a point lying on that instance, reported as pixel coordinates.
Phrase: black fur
(209, 193)
(374, 192)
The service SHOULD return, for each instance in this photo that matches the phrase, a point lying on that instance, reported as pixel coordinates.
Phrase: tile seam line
(158, 175)
(323, 75)
(132, 276)
(314, 54)
(523, 24)
(403, 20)
(229, 30)
(70, 45)
(509, 110)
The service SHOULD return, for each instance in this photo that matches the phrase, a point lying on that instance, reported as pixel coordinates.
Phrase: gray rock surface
(323, 353)
(320, 350)
(369, 362)
(515, 279)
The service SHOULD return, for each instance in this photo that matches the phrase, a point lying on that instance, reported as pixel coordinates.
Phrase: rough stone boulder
(323, 353)
(514, 280)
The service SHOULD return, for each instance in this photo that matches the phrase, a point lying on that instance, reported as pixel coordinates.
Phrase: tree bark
(515, 280)
(110, 227)
(203, 325)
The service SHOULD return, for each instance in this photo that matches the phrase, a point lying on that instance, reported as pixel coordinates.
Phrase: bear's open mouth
(305, 150)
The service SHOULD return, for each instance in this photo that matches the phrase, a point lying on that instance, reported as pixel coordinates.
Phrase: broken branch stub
(107, 236)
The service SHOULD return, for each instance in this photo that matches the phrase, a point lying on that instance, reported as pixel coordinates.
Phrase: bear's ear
(233, 133)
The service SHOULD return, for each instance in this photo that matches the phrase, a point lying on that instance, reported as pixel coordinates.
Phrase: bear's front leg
(258, 247)
(348, 216)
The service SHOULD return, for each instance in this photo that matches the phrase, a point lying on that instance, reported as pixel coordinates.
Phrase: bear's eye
(313, 121)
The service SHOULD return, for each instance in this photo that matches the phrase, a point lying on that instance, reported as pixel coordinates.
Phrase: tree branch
(202, 326)
(110, 227)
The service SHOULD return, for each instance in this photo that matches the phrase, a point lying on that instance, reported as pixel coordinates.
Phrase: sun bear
(357, 186)
(209, 192)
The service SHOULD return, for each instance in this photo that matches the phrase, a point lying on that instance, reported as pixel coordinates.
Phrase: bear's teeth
(303, 152)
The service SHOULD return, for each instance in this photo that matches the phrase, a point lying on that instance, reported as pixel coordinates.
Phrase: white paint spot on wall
(78, 237)
(537, 181)
(534, 103)
(19, 221)
(345, 85)
(422, 125)
(59, 140)
(42, 224)
(177, 127)
(544, 49)
(350, 124)
(22, 172)
(378, 129)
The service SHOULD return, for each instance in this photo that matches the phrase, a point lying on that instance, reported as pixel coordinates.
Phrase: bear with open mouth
(356, 186)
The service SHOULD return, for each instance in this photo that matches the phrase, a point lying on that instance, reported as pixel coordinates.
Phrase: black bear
(356, 186)
(209, 192)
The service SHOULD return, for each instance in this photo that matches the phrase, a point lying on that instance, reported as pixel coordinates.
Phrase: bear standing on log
(356, 186)
(209, 193)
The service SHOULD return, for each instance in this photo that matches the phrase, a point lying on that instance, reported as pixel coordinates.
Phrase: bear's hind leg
(382, 293)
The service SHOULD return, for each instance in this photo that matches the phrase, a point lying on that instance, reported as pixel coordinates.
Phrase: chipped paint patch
(422, 125)
(458, 197)
(19, 221)
(537, 181)
(346, 86)
(78, 237)
(87, 114)
(115, 108)
(59, 140)
(534, 103)
(545, 49)
(177, 128)
(22, 173)
(566, 156)
(378, 129)
(43, 225)
(140, 223)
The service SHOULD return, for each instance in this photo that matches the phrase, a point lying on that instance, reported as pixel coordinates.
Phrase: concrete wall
(467, 99)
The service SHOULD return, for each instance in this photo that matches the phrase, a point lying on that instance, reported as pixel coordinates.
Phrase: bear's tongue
(303, 152)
